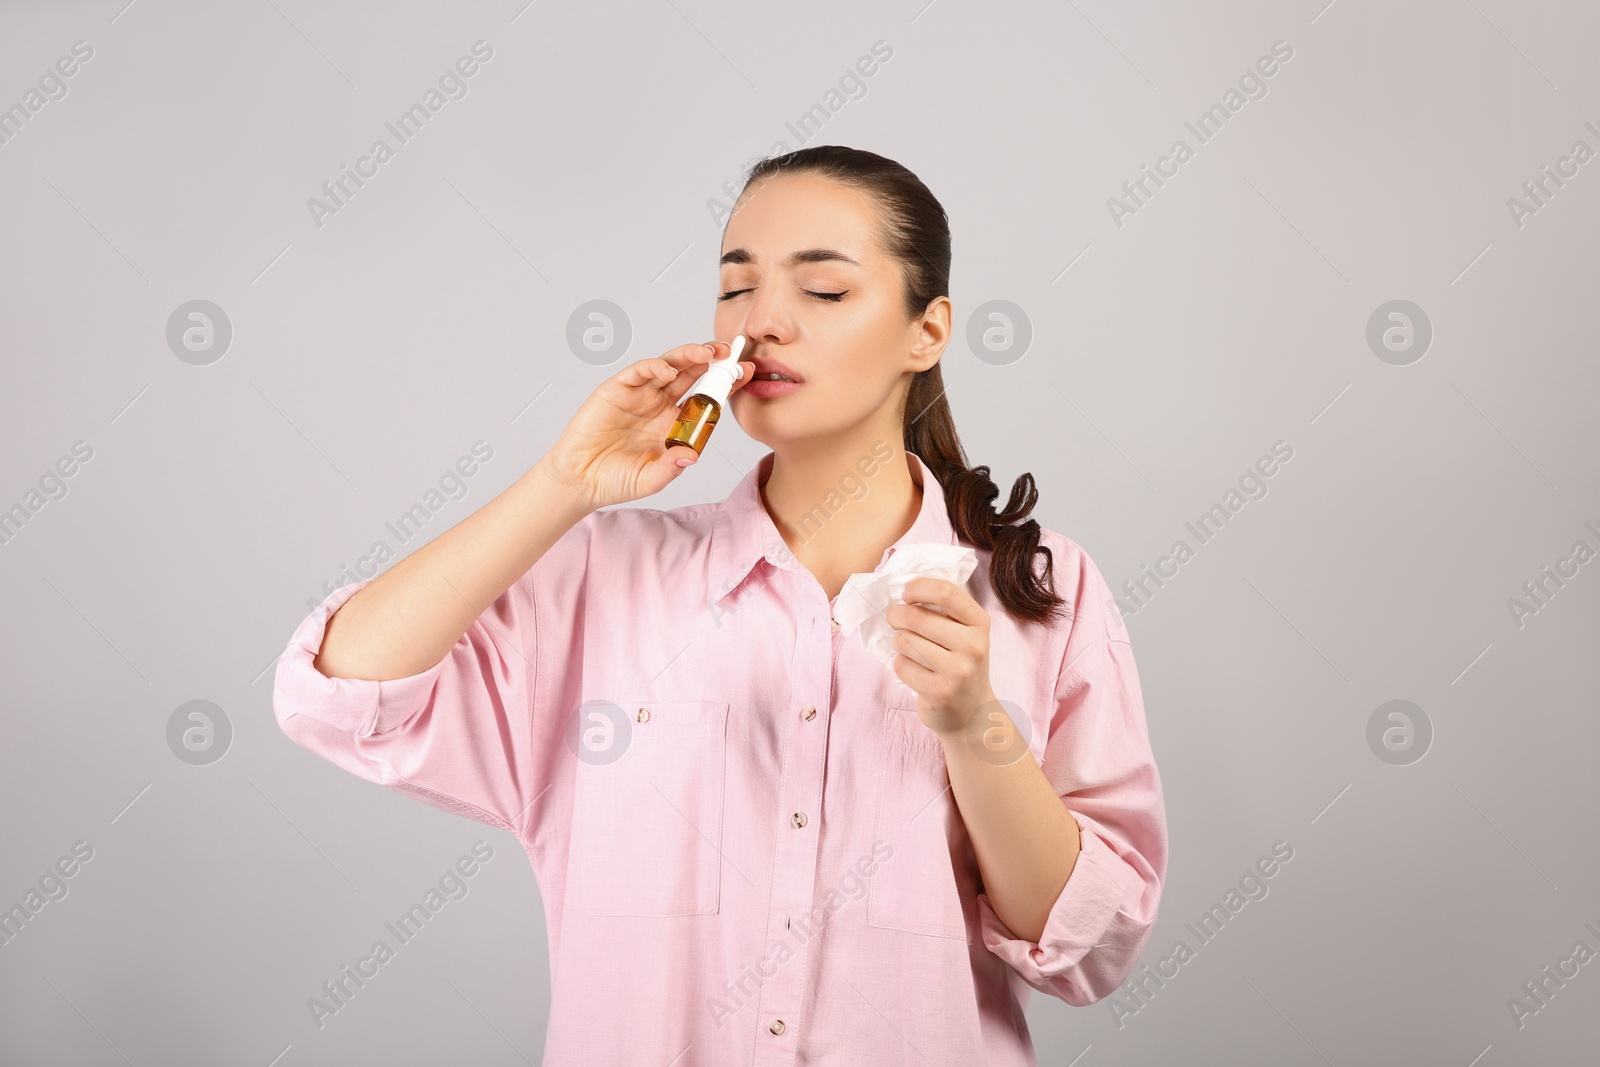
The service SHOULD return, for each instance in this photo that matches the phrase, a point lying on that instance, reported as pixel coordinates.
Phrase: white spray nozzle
(719, 378)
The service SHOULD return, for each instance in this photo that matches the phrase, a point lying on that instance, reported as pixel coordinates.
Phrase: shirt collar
(744, 535)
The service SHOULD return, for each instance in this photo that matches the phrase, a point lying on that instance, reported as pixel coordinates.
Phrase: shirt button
(799, 818)
(808, 714)
(777, 1026)
(833, 625)
(644, 714)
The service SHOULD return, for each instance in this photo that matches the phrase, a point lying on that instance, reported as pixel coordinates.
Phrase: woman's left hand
(944, 658)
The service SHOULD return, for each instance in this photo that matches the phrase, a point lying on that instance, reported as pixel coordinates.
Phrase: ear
(933, 334)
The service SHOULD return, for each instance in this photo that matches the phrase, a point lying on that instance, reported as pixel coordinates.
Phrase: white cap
(718, 379)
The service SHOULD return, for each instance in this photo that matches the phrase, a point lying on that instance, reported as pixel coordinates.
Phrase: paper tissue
(865, 596)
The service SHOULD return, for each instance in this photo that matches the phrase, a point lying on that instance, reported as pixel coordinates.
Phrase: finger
(933, 627)
(685, 382)
(674, 373)
(661, 371)
(656, 371)
(691, 374)
(674, 461)
(747, 369)
(663, 469)
(924, 653)
(948, 597)
(912, 673)
(685, 356)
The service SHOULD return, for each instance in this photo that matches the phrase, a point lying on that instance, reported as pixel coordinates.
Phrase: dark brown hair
(915, 230)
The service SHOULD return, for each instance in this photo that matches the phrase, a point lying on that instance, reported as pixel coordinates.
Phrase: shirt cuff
(356, 706)
(1096, 890)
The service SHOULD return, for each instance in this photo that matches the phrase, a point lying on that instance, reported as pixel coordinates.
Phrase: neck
(838, 504)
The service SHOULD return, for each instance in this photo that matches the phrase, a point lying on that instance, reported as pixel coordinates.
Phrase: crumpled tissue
(866, 596)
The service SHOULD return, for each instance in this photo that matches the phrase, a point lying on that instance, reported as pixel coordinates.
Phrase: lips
(765, 366)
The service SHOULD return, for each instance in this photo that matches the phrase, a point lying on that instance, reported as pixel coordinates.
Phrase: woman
(755, 842)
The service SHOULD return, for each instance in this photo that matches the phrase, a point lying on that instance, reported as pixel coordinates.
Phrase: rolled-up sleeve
(1098, 759)
(462, 735)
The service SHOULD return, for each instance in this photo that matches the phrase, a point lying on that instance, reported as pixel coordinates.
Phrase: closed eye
(820, 296)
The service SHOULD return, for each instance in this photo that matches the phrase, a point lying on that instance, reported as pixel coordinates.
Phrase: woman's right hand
(614, 449)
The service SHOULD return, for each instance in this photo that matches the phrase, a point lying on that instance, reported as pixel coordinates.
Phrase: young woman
(756, 843)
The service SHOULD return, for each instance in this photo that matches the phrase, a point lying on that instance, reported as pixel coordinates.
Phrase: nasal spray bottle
(699, 411)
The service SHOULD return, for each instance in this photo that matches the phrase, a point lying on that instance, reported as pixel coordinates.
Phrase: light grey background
(1168, 354)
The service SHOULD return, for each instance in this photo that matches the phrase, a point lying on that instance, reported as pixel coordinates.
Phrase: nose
(767, 321)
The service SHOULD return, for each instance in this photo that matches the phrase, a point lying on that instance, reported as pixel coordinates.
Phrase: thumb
(680, 457)
(665, 469)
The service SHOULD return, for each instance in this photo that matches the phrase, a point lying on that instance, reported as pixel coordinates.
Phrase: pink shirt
(743, 835)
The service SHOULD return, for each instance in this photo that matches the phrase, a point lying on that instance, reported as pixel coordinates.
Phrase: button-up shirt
(744, 837)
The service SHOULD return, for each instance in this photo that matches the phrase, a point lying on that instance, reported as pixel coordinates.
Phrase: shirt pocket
(647, 825)
(915, 890)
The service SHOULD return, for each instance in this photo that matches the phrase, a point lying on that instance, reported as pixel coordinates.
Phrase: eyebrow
(806, 255)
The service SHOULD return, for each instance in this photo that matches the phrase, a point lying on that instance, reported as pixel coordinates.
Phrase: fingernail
(685, 461)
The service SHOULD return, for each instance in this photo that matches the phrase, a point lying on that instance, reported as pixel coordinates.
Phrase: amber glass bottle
(699, 411)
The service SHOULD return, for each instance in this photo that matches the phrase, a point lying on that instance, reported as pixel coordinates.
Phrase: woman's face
(805, 280)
